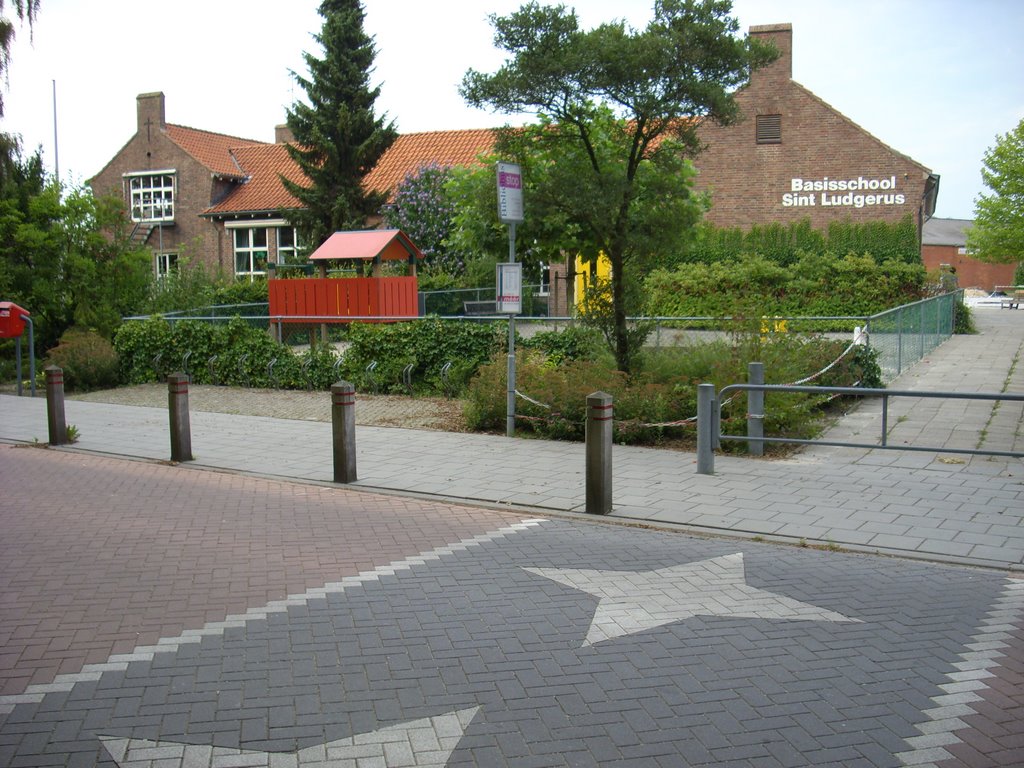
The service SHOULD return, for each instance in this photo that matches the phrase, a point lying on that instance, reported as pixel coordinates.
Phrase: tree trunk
(623, 354)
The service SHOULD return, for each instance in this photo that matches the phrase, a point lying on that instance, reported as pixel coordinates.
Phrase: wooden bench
(1011, 302)
(480, 307)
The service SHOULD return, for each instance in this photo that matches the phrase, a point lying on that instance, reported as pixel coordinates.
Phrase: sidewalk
(935, 506)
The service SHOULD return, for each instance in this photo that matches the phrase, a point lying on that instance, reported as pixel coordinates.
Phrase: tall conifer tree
(338, 138)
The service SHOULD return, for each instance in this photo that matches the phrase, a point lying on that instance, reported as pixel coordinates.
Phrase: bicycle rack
(407, 378)
(270, 373)
(245, 371)
(184, 364)
(446, 383)
(156, 364)
(213, 369)
(305, 373)
(371, 378)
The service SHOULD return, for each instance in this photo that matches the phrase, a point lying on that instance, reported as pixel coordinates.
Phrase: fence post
(599, 453)
(177, 408)
(705, 428)
(55, 422)
(755, 409)
(343, 425)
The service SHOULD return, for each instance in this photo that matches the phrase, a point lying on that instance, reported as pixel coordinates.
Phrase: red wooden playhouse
(376, 298)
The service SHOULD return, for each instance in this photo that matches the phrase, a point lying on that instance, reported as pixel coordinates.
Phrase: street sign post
(510, 211)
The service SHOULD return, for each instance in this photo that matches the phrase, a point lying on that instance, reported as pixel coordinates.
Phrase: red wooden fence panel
(342, 298)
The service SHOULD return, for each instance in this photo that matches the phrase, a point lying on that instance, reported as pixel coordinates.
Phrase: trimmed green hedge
(817, 285)
(784, 244)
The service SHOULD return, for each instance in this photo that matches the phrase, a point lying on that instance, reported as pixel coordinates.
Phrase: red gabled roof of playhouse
(388, 244)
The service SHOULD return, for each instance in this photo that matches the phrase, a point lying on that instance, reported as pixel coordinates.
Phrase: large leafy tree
(658, 83)
(338, 137)
(66, 256)
(998, 233)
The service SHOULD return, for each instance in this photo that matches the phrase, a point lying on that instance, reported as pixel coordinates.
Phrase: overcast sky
(937, 80)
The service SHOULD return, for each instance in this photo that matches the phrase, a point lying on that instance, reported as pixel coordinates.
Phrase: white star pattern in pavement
(426, 743)
(635, 601)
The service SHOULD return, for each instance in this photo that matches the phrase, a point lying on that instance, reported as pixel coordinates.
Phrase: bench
(1011, 302)
(480, 307)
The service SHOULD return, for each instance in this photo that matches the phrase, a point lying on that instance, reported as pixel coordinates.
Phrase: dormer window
(151, 196)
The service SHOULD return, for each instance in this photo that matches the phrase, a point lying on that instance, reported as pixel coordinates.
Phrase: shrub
(649, 404)
(963, 319)
(426, 344)
(87, 359)
(817, 285)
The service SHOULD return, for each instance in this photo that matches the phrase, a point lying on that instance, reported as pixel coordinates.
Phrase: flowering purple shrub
(423, 210)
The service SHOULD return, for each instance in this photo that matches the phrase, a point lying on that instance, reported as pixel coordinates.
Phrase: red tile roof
(414, 150)
(261, 164)
(262, 190)
(213, 150)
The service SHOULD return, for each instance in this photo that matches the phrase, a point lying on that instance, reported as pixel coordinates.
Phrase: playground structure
(377, 298)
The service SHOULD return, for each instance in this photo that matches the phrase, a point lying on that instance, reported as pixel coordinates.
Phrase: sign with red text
(510, 193)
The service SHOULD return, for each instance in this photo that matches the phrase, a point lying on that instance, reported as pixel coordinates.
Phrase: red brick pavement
(99, 555)
(995, 736)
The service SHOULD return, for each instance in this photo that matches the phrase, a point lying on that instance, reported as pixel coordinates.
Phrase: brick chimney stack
(150, 112)
(781, 36)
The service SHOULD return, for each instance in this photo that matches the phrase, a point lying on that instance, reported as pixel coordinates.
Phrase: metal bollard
(177, 408)
(343, 423)
(755, 409)
(705, 429)
(55, 422)
(599, 453)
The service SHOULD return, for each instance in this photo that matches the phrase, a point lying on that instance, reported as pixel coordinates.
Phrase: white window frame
(155, 202)
(164, 264)
(292, 249)
(250, 250)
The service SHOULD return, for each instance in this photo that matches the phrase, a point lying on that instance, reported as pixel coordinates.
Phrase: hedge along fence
(234, 354)
(818, 285)
(660, 402)
(785, 244)
(237, 354)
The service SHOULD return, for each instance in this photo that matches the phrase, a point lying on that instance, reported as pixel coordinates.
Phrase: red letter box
(11, 324)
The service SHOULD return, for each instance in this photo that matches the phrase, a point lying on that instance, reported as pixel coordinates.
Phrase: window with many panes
(151, 196)
(250, 252)
(287, 245)
(166, 263)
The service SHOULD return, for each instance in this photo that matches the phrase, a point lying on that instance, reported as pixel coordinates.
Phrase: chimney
(283, 134)
(781, 36)
(150, 112)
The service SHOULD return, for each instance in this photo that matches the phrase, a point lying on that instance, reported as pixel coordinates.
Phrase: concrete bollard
(755, 409)
(55, 421)
(177, 408)
(343, 423)
(706, 422)
(599, 453)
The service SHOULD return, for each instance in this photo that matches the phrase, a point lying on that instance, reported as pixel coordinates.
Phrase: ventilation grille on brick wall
(769, 129)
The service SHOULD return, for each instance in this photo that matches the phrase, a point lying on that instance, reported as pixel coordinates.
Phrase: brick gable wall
(753, 183)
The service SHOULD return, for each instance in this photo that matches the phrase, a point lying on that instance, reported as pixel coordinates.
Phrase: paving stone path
(257, 622)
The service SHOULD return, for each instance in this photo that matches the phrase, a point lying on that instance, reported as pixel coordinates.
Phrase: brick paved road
(428, 634)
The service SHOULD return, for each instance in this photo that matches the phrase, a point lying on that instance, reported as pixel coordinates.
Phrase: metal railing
(709, 419)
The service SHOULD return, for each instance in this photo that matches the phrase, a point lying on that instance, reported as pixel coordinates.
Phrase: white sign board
(509, 298)
(510, 193)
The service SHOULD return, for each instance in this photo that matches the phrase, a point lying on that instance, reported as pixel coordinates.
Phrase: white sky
(937, 80)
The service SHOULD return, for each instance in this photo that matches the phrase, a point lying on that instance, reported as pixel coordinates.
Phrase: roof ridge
(242, 139)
